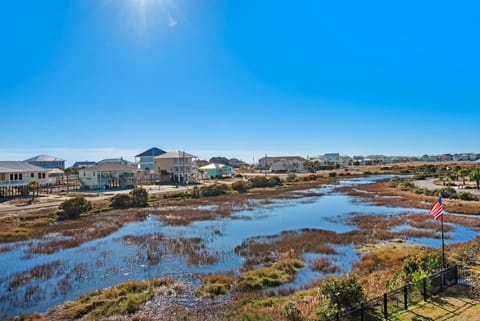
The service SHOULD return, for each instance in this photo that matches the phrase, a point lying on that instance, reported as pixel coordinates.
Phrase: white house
(15, 177)
(107, 176)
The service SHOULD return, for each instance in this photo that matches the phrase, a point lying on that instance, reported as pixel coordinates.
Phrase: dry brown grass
(294, 244)
(323, 265)
(381, 193)
(154, 246)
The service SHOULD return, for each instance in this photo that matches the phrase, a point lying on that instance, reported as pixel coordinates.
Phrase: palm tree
(463, 172)
(475, 176)
(33, 186)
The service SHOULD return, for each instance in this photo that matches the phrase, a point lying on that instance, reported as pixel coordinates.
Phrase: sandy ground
(53, 200)
(429, 183)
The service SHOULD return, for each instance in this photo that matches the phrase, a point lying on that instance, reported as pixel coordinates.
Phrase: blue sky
(87, 79)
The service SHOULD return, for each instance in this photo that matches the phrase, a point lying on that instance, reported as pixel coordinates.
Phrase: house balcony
(13, 183)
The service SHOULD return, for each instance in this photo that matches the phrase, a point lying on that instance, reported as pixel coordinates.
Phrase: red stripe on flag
(436, 210)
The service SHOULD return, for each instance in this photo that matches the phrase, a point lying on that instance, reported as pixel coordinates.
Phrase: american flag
(437, 208)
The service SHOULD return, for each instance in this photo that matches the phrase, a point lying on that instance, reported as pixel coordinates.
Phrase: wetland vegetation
(256, 253)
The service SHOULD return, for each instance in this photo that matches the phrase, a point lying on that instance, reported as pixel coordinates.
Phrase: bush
(448, 192)
(343, 292)
(465, 196)
(241, 186)
(72, 208)
(139, 197)
(291, 177)
(121, 201)
(214, 190)
(263, 181)
(332, 174)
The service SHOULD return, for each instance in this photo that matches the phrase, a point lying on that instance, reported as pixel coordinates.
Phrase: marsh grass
(121, 299)
(381, 193)
(151, 247)
(266, 249)
(322, 264)
(215, 284)
(270, 276)
(39, 272)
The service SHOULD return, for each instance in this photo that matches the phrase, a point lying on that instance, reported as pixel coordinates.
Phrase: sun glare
(149, 12)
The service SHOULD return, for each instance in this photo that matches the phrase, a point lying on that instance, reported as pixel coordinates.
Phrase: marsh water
(103, 262)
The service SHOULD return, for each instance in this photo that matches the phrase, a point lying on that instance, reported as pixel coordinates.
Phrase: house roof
(176, 154)
(154, 151)
(55, 171)
(115, 161)
(212, 166)
(44, 158)
(17, 166)
(110, 167)
(86, 163)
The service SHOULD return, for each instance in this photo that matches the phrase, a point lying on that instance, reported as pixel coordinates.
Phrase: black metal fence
(393, 302)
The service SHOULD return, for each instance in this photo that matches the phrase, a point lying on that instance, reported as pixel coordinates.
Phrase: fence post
(385, 311)
(424, 281)
(405, 297)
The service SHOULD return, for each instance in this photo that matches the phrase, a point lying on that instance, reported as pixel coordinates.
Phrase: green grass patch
(120, 299)
(215, 285)
(269, 276)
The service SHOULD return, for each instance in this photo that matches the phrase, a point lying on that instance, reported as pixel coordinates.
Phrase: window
(16, 177)
(39, 175)
(32, 175)
(43, 175)
(11, 177)
(20, 176)
(93, 173)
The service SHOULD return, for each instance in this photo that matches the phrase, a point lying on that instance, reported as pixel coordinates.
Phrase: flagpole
(443, 244)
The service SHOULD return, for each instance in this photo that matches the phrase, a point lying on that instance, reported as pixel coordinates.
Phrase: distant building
(107, 176)
(47, 161)
(213, 170)
(83, 164)
(266, 162)
(146, 160)
(287, 165)
(117, 161)
(176, 166)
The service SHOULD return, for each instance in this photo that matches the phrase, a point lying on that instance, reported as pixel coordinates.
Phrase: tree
(475, 176)
(72, 208)
(139, 197)
(463, 172)
(33, 187)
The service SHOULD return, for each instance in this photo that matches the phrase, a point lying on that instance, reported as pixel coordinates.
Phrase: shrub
(465, 196)
(291, 177)
(72, 208)
(343, 292)
(214, 190)
(263, 181)
(448, 192)
(332, 174)
(241, 186)
(120, 201)
(139, 197)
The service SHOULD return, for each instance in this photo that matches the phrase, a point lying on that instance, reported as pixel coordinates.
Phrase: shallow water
(109, 260)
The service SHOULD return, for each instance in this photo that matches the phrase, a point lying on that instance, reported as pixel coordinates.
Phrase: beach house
(176, 166)
(107, 176)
